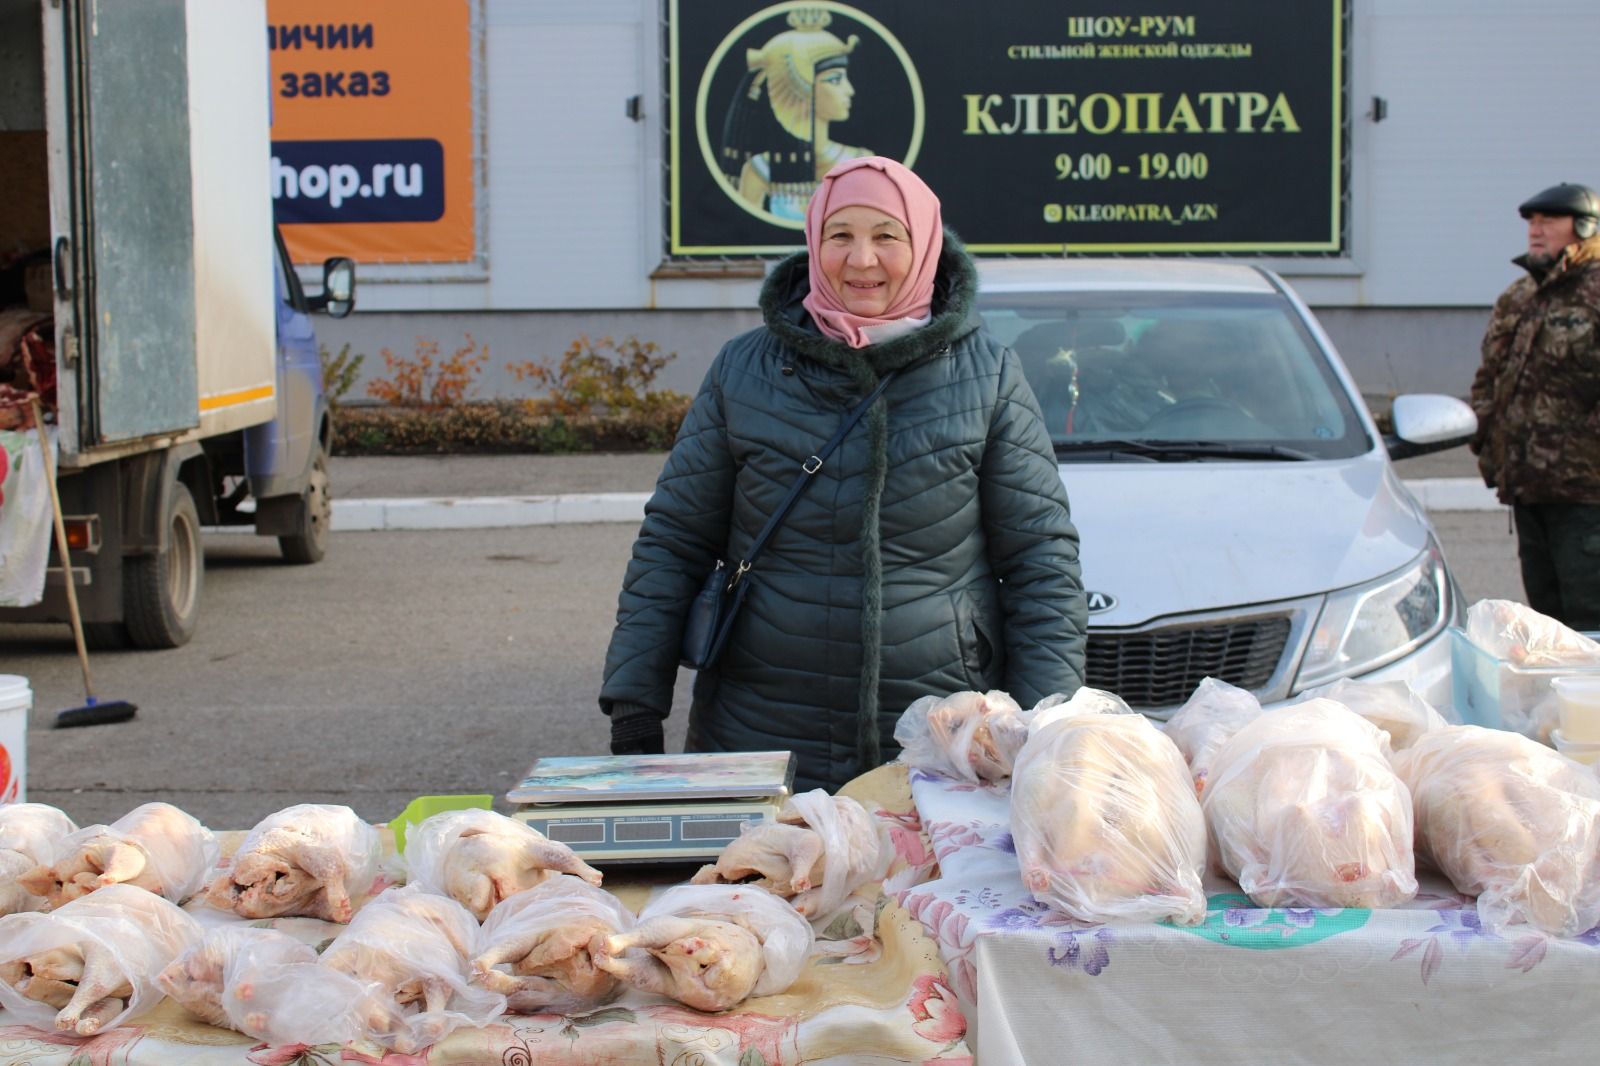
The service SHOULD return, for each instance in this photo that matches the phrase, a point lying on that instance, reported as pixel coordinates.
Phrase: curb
(489, 512)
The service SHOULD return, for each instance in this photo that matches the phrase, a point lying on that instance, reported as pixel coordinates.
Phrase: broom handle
(61, 546)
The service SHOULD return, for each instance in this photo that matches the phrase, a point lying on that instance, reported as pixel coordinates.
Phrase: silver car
(1239, 513)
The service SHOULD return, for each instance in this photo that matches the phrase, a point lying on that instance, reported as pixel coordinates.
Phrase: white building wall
(1487, 102)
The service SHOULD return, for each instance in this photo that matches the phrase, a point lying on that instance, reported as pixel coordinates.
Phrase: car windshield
(1177, 376)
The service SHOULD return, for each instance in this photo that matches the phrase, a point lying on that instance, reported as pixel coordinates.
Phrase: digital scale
(652, 808)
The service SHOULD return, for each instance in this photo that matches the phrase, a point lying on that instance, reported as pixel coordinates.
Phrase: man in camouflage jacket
(1537, 397)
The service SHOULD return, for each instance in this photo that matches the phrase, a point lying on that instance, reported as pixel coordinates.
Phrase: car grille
(1161, 667)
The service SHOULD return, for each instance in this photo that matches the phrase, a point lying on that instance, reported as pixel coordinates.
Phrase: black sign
(1217, 126)
(357, 181)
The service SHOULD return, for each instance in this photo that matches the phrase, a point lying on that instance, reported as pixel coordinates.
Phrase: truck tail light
(83, 533)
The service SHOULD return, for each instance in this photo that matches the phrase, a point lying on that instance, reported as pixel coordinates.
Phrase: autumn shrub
(425, 379)
(600, 376)
(339, 372)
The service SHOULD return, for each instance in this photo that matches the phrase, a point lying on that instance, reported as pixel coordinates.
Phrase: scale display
(666, 832)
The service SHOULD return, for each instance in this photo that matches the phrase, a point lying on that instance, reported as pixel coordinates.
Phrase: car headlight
(1371, 625)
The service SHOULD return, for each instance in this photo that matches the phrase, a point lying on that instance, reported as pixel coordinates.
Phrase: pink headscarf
(892, 188)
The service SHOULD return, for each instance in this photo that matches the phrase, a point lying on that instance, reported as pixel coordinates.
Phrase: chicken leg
(703, 963)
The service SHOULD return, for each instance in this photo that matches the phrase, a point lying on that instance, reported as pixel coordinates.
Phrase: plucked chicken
(972, 736)
(305, 860)
(534, 948)
(1207, 721)
(1509, 821)
(92, 963)
(269, 986)
(1105, 820)
(29, 834)
(1392, 706)
(819, 850)
(415, 945)
(710, 946)
(479, 858)
(156, 847)
(214, 974)
(1305, 810)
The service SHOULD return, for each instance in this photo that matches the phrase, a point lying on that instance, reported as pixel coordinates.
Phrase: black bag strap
(808, 470)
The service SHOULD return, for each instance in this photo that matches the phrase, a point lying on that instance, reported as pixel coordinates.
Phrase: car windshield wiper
(1178, 451)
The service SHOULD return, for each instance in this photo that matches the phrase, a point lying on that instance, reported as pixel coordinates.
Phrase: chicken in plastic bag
(821, 849)
(155, 846)
(1527, 640)
(417, 946)
(92, 963)
(1085, 700)
(1392, 706)
(29, 835)
(1509, 821)
(268, 985)
(1105, 820)
(479, 858)
(534, 948)
(1305, 810)
(1523, 637)
(306, 860)
(710, 946)
(1210, 718)
(971, 736)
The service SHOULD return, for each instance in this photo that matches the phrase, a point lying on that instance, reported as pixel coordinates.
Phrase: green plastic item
(424, 807)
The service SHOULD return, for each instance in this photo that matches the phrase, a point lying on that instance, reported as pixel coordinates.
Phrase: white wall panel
(566, 165)
(1489, 102)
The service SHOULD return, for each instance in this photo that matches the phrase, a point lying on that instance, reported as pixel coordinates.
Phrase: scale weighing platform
(652, 808)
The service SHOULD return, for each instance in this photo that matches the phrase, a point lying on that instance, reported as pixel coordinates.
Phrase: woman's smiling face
(865, 258)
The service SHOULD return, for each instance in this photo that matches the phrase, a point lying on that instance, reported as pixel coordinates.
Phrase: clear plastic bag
(702, 964)
(1210, 718)
(1084, 701)
(1392, 706)
(155, 846)
(112, 943)
(268, 985)
(534, 947)
(309, 859)
(29, 835)
(1305, 810)
(1105, 820)
(1523, 637)
(855, 846)
(479, 858)
(1509, 821)
(417, 947)
(970, 736)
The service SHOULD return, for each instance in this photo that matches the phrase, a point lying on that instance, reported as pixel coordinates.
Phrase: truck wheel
(310, 544)
(161, 592)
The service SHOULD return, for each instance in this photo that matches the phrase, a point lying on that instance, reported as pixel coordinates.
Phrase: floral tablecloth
(1424, 984)
(874, 991)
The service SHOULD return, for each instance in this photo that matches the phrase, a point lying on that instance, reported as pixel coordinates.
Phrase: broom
(93, 711)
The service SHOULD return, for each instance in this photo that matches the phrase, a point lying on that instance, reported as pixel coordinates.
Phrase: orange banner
(372, 129)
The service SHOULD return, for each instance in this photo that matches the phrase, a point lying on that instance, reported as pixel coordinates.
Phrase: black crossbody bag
(717, 604)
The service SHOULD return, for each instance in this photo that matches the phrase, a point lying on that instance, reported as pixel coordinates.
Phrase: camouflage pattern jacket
(1537, 394)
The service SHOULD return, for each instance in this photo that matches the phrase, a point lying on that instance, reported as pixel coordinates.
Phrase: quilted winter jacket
(933, 553)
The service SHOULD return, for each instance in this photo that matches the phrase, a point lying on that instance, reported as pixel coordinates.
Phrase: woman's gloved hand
(636, 730)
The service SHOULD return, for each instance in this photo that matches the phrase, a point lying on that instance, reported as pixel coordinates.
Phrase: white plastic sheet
(25, 521)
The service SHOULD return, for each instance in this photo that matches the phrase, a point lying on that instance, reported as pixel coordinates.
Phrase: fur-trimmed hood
(955, 291)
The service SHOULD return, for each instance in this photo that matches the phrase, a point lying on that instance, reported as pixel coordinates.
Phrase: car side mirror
(338, 296)
(1426, 423)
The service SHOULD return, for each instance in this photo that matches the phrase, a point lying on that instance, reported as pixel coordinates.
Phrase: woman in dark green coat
(933, 553)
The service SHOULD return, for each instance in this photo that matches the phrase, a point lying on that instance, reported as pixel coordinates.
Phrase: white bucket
(16, 700)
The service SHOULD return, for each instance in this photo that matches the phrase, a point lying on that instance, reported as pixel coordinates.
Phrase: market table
(1423, 984)
(873, 990)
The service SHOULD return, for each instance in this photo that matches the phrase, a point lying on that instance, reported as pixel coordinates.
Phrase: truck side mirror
(338, 287)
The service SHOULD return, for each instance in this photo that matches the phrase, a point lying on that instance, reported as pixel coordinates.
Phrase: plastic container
(424, 807)
(1493, 692)
(1578, 701)
(1578, 751)
(16, 700)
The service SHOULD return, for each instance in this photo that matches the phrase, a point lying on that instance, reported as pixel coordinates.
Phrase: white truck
(137, 213)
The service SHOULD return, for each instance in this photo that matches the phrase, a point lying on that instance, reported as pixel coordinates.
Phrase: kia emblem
(1101, 601)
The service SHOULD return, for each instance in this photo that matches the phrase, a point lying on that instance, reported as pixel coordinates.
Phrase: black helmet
(1579, 201)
